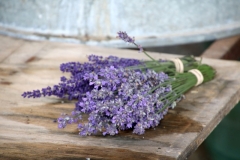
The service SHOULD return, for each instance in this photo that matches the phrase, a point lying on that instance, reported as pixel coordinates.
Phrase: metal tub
(95, 22)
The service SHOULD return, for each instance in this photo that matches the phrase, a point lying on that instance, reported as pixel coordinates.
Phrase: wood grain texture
(8, 46)
(28, 130)
(227, 48)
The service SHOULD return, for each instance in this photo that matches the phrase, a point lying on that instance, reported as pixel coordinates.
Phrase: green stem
(145, 53)
(168, 67)
(183, 83)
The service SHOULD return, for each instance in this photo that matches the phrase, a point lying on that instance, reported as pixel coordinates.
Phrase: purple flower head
(121, 99)
(125, 37)
(69, 119)
(115, 98)
(76, 86)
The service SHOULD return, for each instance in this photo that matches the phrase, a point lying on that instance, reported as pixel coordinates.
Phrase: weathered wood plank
(25, 53)
(227, 48)
(8, 46)
(27, 130)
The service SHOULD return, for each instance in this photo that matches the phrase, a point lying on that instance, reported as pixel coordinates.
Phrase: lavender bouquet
(120, 94)
(122, 99)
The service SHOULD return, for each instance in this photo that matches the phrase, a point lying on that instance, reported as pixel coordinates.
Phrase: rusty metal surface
(153, 23)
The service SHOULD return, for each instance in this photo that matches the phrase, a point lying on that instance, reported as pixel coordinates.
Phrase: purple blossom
(115, 98)
(122, 102)
(69, 119)
(76, 86)
(125, 37)
(116, 93)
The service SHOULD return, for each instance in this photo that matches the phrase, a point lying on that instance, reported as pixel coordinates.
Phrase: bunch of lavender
(122, 99)
(121, 93)
(76, 86)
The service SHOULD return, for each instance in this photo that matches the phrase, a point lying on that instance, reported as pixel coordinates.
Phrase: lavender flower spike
(125, 37)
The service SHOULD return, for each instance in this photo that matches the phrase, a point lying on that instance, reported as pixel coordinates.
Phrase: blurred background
(155, 24)
(186, 27)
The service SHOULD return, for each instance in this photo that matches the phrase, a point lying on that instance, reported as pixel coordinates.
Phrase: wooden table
(27, 130)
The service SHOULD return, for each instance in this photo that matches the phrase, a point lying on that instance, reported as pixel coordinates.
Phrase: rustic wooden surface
(27, 130)
(226, 48)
